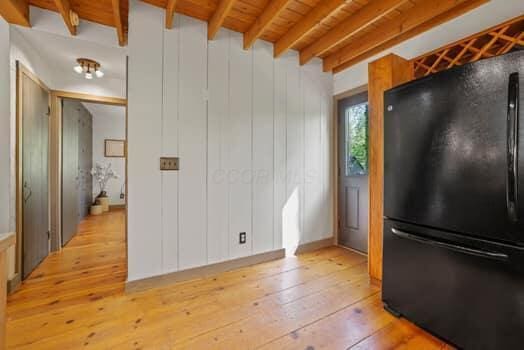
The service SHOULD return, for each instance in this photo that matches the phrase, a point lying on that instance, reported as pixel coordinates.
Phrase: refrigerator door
(466, 291)
(448, 147)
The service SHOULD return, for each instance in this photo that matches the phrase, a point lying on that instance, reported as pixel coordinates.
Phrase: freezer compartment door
(468, 292)
(453, 150)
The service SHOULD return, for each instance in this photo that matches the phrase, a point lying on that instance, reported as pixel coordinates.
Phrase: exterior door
(353, 172)
(35, 201)
(70, 170)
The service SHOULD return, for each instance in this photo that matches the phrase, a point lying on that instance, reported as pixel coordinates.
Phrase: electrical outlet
(169, 163)
(242, 238)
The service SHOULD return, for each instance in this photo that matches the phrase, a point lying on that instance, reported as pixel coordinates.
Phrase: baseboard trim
(352, 250)
(202, 271)
(117, 206)
(13, 283)
(315, 245)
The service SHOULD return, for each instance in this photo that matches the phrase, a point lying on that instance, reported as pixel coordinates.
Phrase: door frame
(337, 165)
(56, 159)
(22, 71)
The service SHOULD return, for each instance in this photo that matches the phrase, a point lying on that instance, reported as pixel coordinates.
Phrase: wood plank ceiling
(341, 32)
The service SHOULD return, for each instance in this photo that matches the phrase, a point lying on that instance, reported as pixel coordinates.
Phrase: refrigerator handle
(449, 246)
(512, 147)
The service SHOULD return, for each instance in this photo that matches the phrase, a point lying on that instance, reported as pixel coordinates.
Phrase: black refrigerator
(454, 203)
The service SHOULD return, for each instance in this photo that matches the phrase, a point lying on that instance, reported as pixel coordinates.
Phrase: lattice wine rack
(495, 41)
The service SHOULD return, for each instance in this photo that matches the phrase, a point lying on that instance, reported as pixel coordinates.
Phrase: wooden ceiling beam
(306, 24)
(459, 10)
(218, 18)
(408, 20)
(354, 23)
(64, 8)
(170, 13)
(15, 12)
(272, 10)
(119, 23)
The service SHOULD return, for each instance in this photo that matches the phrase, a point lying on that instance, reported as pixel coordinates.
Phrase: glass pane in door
(356, 147)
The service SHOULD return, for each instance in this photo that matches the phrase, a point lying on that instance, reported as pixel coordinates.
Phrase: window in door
(356, 146)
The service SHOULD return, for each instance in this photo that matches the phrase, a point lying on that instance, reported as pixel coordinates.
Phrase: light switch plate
(169, 163)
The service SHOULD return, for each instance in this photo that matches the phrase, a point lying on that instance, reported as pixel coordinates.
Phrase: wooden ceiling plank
(65, 10)
(435, 21)
(408, 20)
(119, 23)
(306, 24)
(15, 12)
(271, 11)
(218, 18)
(362, 18)
(170, 13)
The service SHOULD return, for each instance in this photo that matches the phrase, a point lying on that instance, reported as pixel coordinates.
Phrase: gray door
(77, 160)
(70, 170)
(353, 172)
(35, 207)
(85, 161)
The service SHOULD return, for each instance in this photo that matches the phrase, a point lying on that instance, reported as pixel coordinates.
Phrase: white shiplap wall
(253, 136)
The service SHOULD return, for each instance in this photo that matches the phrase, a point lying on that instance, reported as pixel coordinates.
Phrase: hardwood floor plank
(400, 334)
(76, 299)
(339, 330)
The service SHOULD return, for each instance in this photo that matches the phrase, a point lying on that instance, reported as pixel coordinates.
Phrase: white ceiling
(62, 52)
(98, 110)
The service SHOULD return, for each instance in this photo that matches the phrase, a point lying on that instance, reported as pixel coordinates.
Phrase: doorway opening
(353, 185)
(66, 143)
(62, 98)
(93, 161)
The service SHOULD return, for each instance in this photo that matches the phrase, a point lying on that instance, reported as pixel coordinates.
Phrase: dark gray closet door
(35, 138)
(85, 162)
(70, 169)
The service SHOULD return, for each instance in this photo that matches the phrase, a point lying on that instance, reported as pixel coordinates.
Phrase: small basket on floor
(97, 209)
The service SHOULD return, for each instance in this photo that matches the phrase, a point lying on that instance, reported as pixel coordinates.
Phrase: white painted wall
(109, 122)
(488, 15)
(253, 136)
(4, 127)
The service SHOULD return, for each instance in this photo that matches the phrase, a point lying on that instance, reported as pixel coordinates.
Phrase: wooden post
(384, 74)
(6, 241)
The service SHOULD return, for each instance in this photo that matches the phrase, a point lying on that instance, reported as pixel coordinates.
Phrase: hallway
(322, 299)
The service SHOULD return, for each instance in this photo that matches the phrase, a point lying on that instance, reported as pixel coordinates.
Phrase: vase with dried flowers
(102, 174)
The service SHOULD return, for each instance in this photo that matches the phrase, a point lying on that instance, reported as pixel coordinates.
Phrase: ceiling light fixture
(87, 66)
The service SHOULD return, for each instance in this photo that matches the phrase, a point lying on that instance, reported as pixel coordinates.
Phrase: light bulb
(89, 75)
(99, 74)
(78, 68)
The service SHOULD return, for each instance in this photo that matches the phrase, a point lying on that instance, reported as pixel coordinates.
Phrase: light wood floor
(319, 300)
